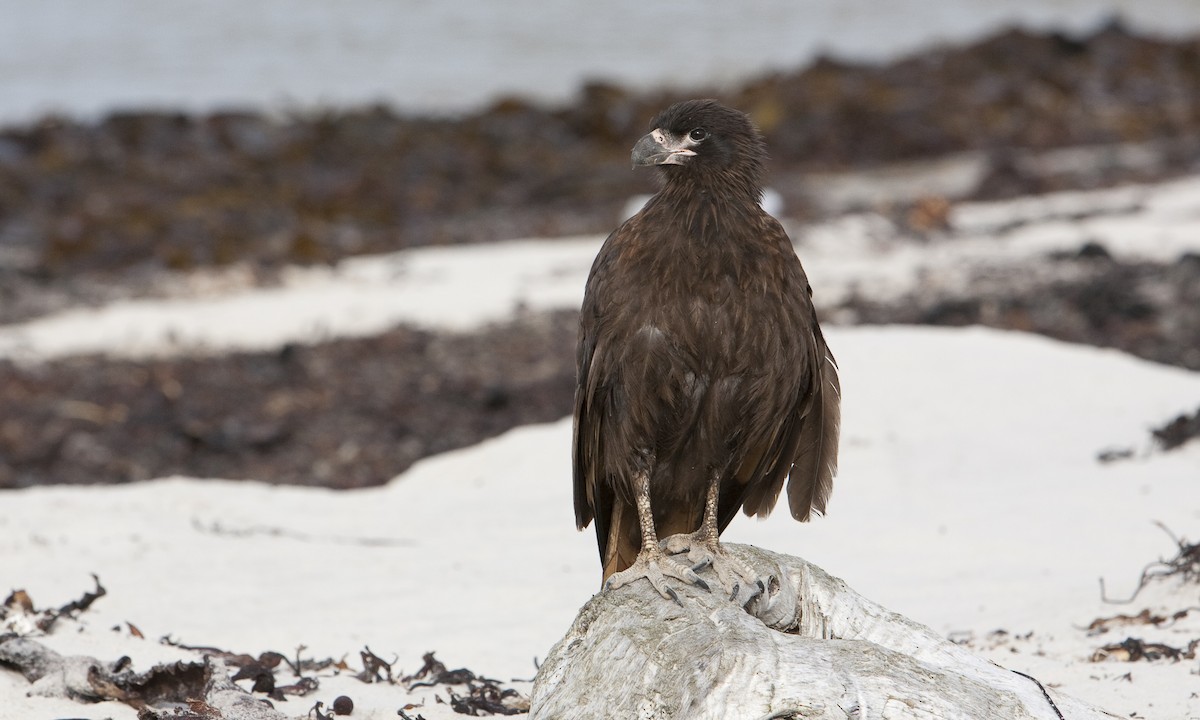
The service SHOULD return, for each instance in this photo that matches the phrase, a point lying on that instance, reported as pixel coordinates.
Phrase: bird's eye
(698, 134)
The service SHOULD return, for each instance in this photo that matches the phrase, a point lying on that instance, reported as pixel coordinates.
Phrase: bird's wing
(803, 448)
(587, 451)
(584, 447)
(815, 461)
(617, 529)
(803, 451)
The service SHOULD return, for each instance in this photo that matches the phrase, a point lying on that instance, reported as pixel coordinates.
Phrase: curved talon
(658, 562)
(732, 574)
(759, 591)
(656, 567)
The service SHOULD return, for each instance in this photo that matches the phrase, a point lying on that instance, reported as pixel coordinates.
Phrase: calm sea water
(84, 57)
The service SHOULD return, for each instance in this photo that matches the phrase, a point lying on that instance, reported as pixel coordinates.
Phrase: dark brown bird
(703, 378)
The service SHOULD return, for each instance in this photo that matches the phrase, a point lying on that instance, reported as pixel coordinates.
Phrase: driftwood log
(813, 648)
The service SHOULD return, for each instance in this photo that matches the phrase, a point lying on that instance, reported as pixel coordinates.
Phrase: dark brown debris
(163, 692)
(261, 671)
(217, 528)
(433, 672)
(375, 669)
(1177, 432)
(1111, 455)
(484, 696)
(300, 688)
(1099, 626)
(1148, 309)
(19, 601)
(1134, 649)
(317, 713)
(343, 414)
(1184, 565)
(487, 698)
(342, 705)
(77, 606)
(1169, 436)
(206, 689)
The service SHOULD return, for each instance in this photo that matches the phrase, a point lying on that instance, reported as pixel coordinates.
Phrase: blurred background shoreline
(85, 59)
(1013, 113)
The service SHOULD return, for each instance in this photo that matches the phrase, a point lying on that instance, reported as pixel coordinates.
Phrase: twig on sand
(1186, 563)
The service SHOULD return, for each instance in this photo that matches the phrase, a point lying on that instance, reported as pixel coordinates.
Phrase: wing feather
(811, 480)
(593, 497)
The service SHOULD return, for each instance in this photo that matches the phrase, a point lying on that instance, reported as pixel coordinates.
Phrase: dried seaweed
(196, 690)
(341, 706)
(1101, 625)
(375, 669)
(434, 672)
(1177, 432)
(488, 699)
(19, 602)
(484, 696)
(1133, 649)
(216, 528)
(1185, 564)
(1171, 435)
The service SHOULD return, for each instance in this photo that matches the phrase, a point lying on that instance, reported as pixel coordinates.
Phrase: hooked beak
(660, 148)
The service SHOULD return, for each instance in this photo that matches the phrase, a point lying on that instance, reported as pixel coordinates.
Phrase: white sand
(969, 498)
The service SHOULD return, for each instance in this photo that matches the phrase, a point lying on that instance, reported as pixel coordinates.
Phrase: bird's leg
(703, 549)
(652, 562)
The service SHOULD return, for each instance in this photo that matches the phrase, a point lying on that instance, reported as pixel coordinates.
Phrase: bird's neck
(705, 210)
(730, 185)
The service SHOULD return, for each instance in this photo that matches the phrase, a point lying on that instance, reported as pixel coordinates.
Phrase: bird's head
(704, 140)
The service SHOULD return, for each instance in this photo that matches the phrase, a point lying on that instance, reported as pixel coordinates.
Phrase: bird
(703, 380)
